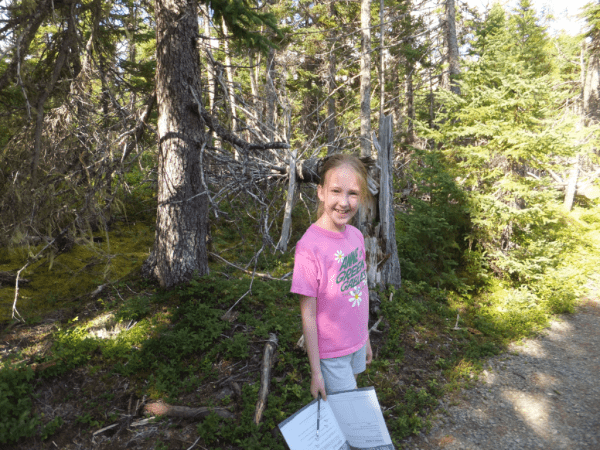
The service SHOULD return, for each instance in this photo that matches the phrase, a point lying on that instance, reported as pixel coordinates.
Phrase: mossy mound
(57, 279)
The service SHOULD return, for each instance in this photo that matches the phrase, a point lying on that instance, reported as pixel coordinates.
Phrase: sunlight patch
(533, 409)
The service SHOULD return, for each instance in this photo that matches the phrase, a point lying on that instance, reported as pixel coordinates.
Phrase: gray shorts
(338, 373)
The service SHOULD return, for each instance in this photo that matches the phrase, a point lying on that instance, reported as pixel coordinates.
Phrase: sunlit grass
(55, 280)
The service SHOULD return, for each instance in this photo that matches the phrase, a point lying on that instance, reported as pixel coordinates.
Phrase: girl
(330, 275)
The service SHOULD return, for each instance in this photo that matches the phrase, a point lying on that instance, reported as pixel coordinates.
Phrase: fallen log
(36, 367)
(163, 409)
(265, 377)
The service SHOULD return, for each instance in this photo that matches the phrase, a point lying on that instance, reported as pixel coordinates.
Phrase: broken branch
(163, 409)
(374, 327)
(265, 377)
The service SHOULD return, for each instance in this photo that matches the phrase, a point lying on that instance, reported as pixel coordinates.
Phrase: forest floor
(78, 395)
(420, 372)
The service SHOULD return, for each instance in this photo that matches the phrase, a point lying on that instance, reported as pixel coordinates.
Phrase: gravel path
(544, 394)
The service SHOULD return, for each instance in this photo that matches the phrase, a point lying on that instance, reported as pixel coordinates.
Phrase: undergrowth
(170, 344)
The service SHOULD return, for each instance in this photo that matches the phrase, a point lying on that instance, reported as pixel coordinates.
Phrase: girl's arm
(369, 351)
(308, 309)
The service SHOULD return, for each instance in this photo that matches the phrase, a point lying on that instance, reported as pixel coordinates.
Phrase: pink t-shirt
(332, 267)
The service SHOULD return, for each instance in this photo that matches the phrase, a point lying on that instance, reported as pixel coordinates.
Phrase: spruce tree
(500, 139)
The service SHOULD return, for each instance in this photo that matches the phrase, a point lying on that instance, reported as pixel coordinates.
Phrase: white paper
(359, 416)
(349, 420)
(300, 430)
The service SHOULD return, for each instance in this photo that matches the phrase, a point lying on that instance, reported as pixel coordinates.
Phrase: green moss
(54, 280)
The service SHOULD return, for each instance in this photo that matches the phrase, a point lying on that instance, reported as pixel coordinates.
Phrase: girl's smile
(340, 195)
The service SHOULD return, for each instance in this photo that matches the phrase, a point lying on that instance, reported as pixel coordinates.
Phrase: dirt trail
(544, 394)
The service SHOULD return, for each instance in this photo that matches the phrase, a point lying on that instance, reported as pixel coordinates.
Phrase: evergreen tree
(591, 85)
(500, 138)
(529, 39)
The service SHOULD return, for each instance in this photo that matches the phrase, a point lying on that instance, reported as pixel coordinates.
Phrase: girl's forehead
(341, 174)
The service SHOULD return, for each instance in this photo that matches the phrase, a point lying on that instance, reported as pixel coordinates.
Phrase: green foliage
(409, 413)
(134, 308)
(16, 419)
(591, 13)
(430, 235)
(211, 429)
(74, 347)
(87, 419)
(529, 40)
(52, 427)
(244, 21)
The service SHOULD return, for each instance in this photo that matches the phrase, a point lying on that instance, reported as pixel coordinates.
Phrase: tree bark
(182, 218)
(453, 62)
(365, 78)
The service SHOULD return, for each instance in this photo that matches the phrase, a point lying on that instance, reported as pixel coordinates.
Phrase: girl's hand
(369, 351)
(317, 385)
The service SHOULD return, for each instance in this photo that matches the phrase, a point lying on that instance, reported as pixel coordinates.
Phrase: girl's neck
(325, 224)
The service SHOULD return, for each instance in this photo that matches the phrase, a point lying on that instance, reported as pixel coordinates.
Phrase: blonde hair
(339, 160)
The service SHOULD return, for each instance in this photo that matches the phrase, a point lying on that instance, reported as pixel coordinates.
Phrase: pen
(318, 413)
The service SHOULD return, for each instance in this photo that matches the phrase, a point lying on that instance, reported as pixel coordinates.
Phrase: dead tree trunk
(389, 265)
(331, 134)
(182, 217)
(381, 62)
(331, 88)
(271, 95)
(410, 108)
(452, 41)
(591, 89)
(229, 73)
(286, 228)
(582, 80)
(383, 265)
(572, 185)
(210, 67)
(253, 121)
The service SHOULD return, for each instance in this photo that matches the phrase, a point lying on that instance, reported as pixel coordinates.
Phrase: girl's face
(340, 195)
